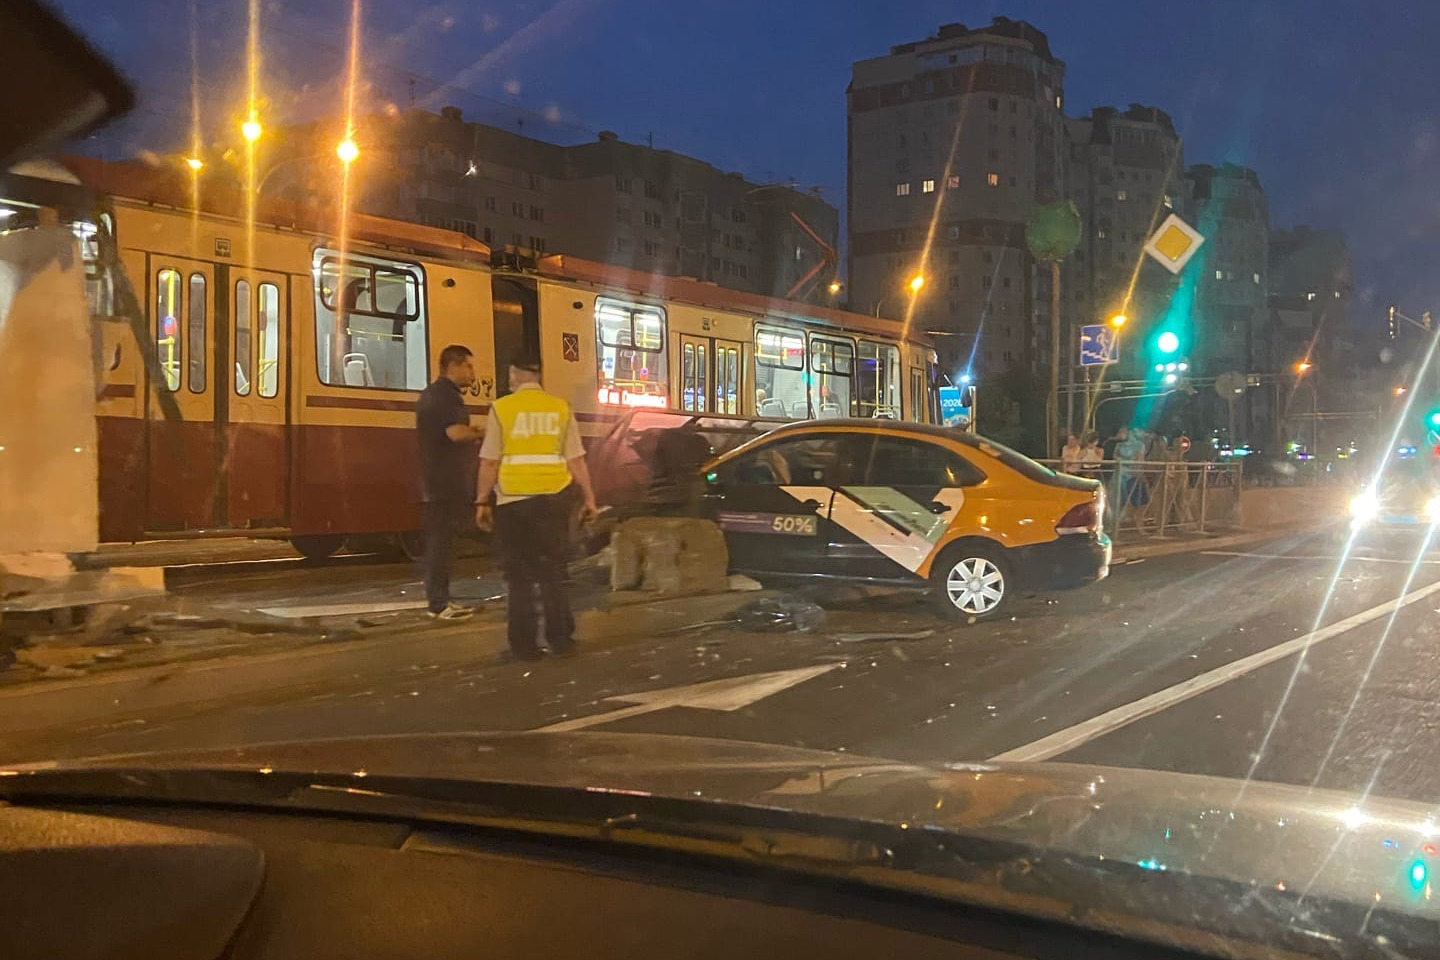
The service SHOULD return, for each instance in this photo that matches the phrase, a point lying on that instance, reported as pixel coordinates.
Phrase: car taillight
(1081, 518)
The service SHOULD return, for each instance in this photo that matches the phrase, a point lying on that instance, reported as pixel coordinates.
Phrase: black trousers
(442, 519)
(534, 540)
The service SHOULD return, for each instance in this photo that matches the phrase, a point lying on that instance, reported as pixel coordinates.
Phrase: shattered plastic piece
(865, 637)
(781, 614)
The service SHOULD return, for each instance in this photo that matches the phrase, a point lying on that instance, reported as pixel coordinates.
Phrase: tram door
(254, 452)
(517, 325)
(709, 373)
(219, 333)
(181, 457)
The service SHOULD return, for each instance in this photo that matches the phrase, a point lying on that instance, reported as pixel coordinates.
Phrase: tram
(273, 391)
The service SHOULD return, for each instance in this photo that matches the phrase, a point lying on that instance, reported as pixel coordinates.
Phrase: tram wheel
(318, 546)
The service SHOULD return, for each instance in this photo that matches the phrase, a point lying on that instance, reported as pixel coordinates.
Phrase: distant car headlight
(1364, 507)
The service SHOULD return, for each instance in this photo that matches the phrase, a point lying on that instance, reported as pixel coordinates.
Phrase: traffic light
(1432, 419)
(1167, 342)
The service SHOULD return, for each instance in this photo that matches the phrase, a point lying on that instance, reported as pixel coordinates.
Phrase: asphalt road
(1272, 661)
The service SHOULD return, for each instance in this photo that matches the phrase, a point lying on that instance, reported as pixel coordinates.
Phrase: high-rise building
(607, 200)
(1227, 205)
(953, 142)
(1126, 176)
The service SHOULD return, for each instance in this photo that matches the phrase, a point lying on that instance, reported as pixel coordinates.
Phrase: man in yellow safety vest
(529, 460)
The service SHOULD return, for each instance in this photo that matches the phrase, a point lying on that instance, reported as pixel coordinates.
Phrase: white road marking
(1299, 556)
(729, 694)
(1063, 741)
(342, 609)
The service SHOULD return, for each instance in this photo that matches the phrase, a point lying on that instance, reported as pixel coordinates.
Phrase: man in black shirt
(447, 454)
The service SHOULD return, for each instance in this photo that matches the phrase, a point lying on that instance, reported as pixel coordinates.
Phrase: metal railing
(1147, 498)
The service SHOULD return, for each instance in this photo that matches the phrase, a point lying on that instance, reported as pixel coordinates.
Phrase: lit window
(1310, 295)
(244, 337)
(927, 186)
(1100, 233)
(630, 349)
(1121, 195)
(196, 320)
(1256, 278)
(1337, 292)
(952, 182)
(780, 378)
(379, 339)
(167, 326)
(1219, 274)
(993, 179)
(267, 372)
(902, 189)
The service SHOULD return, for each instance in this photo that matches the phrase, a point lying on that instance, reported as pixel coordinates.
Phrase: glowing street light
(251, 129)
(917, 282)
(347, 151)
(834, 287)
(1303, 366)
(1400, 391)
(195, 163)
(1119, 320)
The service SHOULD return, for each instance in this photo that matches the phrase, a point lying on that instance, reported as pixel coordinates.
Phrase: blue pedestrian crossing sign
(1099, 345)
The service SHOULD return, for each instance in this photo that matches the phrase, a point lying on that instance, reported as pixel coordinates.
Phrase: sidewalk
(232, 657)
(1145, 548)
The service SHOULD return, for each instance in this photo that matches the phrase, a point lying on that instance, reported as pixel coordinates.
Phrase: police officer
(529, 459)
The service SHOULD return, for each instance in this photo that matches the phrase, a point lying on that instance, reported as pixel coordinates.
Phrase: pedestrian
(1070, 454)
(445, 436)
(1091, 456)
(1130, 448)
(531, 460)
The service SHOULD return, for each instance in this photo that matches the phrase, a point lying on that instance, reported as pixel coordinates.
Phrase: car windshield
(369, 378)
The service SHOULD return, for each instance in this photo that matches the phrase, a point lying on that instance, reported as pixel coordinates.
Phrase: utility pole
(1052, 232)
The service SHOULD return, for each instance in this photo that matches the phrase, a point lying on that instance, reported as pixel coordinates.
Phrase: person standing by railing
(1070, 455)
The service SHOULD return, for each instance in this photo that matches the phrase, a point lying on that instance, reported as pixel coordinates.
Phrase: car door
(772, 502)
(907, 493)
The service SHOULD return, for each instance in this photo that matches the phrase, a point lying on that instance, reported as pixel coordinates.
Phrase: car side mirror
(56, 86)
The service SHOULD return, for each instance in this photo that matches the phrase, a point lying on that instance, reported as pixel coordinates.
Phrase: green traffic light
(1434, 418)
(1167, 342)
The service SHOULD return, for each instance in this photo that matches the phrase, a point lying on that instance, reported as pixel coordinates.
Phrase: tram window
(877, 380)
(630, 346)
(99, 289)
(244, 332)
(917, 395)
(727, 380)
(268, 373)
(195, 323)
(370, 322)
(168, 336)
(831, 362)
(780, 374)
(692, 377)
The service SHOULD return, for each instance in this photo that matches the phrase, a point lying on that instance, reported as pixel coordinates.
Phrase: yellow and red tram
(295, 358)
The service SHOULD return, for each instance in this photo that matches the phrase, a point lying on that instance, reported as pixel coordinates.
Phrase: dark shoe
(528, 656)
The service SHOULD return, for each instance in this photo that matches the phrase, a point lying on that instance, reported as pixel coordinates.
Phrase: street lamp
(347, 151)
(834, 287)
(917, 283)
(1302, 367)
(1400, 391)
(1119, 320)
(195, 164)
(251, 130)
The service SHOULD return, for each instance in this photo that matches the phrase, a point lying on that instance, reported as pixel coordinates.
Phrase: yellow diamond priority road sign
(1174, 243)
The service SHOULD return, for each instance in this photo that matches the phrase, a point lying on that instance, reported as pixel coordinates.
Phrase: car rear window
(1013, 459)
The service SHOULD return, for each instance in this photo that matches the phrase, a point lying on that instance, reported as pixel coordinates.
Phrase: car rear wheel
(971, 582)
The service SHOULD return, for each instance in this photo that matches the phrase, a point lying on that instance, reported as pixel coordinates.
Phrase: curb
(71, 703)
(1124, 553)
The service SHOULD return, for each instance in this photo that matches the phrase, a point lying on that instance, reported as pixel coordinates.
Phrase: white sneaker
(452, 611)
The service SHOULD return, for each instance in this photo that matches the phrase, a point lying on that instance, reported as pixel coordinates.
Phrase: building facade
(1126, 176)
(953, 141)
(607, 200)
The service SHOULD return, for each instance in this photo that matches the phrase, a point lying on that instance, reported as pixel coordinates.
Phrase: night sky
(1333, 103)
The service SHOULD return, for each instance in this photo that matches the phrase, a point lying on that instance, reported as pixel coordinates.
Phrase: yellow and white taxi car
(883, 501)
